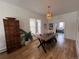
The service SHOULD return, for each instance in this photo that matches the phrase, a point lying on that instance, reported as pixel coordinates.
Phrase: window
(35, 26)
(61, 24)
(38, 26)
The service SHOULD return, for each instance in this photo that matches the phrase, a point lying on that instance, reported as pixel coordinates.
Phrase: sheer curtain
(35, 26)
(38, 26)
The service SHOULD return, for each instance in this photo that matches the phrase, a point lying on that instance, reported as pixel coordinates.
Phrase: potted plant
(25, 37)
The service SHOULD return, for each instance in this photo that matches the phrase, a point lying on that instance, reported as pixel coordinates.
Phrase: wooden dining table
(44, 39)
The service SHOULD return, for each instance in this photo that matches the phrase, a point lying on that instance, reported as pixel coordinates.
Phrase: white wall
(8, 10)
(78, 26)
(70, 20)
(2, 37)
(77, 42)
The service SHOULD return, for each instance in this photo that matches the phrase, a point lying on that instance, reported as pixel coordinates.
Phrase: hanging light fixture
(49, 14)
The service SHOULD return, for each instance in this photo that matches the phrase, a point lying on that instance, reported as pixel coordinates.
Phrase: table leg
(44, 49)
(42, 44)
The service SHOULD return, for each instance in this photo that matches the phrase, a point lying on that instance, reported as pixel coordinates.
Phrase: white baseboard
(3, 50)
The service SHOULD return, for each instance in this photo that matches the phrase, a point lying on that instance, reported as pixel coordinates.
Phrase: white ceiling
(40, 6)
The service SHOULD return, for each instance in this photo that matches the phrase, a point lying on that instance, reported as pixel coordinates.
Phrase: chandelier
(49, 14)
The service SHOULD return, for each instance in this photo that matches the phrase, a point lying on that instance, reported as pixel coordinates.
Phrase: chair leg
(55, 40)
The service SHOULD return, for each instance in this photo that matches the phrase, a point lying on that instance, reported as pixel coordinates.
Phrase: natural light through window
(61, 24)
(38, 26)
(35, 26)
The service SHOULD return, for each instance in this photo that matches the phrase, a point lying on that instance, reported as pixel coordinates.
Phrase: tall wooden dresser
(12, 33)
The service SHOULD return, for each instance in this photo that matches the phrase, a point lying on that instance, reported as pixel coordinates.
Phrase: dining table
(45, 39)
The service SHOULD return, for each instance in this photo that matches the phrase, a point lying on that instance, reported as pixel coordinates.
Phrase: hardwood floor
(64, 49)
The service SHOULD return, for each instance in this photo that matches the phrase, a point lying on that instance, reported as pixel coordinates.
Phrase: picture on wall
(50, 26)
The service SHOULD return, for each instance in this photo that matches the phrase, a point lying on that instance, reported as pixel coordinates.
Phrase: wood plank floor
(64, 50)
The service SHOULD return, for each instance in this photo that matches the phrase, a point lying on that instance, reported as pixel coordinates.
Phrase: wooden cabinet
(12, 34)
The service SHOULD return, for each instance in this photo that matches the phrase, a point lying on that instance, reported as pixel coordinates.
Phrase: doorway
(60, 32)
(60, 27)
